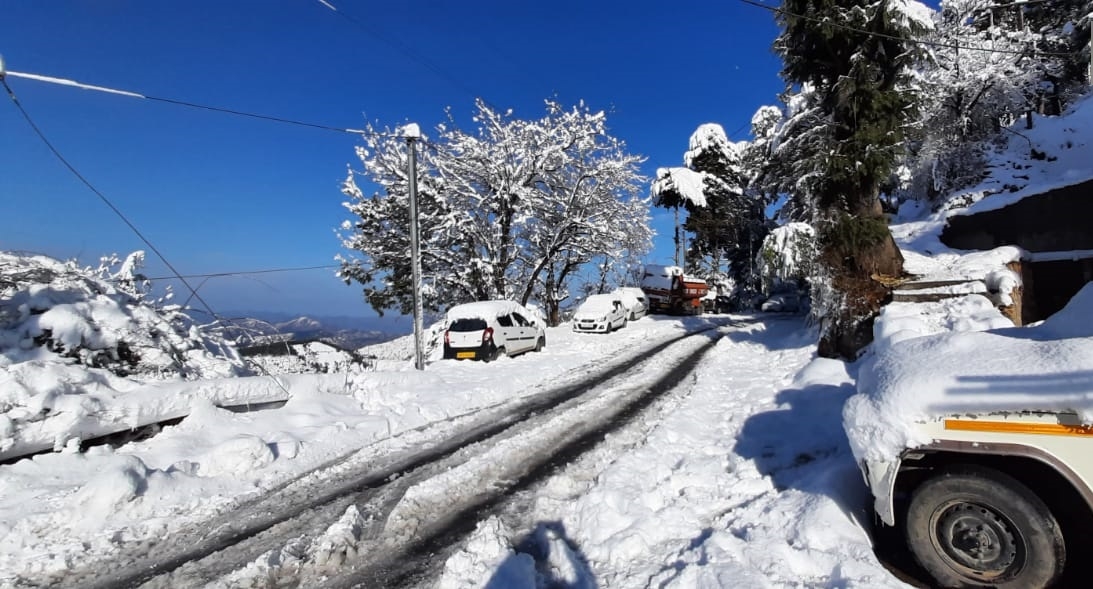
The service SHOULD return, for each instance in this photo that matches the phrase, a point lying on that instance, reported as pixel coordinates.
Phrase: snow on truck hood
(1045, 367)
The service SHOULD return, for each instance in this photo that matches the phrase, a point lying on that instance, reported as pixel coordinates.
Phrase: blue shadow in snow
(544, 558)
(773, 331)
(1055, 389)
(802, 445)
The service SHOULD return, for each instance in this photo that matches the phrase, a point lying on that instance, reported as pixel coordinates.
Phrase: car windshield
(468, 324)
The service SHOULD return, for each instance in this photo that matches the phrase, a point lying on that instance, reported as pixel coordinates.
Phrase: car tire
(973, 526)
(497, 353)
(540, 343)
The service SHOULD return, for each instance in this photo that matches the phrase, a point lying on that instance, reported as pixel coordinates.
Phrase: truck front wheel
(973, 526)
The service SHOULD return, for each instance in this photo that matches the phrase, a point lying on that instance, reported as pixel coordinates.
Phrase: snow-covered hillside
(1055, 152)
(341, 332)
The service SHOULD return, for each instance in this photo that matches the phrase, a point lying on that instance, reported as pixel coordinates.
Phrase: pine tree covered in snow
(726, 218)
(730, 228)
(786, 145)
(509, 210)
(857, 57)
(788, 257)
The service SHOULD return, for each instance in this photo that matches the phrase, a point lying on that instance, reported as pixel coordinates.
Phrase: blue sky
(220, 193)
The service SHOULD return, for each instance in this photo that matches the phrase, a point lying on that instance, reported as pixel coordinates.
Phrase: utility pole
(678, 241)
(412, 133)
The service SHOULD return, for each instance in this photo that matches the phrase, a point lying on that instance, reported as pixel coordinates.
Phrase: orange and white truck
(671, 291)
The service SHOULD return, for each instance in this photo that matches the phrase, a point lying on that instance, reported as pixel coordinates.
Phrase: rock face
(1055, 221)
(1054, 227)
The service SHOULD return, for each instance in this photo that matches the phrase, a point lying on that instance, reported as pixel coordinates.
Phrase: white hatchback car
(601, 313)
(634, 300)
(486, 330)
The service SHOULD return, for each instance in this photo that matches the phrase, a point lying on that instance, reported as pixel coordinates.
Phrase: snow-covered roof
(663, 270)
(629, 295)
(599, 302)
(482, 309)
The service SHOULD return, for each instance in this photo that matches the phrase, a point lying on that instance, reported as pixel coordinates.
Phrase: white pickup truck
(978, 445)
(994, 500)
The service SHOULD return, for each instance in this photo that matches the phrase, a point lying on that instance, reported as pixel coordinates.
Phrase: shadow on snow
(545, 558)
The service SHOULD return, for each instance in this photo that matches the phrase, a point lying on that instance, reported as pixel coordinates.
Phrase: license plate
(464, 355)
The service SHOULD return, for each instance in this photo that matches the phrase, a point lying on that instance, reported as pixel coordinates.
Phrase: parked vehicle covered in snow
(487, 330)
(633, 298)
(600, 313)
(669, 290)
(979, 446)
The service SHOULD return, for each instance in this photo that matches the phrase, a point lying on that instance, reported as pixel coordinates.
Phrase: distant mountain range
(350, 333)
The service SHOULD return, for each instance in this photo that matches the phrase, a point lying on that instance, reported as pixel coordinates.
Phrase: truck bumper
(880, 477)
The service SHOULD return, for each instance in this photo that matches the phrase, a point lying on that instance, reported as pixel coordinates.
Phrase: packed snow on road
(746, 474)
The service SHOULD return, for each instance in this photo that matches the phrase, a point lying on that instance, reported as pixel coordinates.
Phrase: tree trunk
(859, 278)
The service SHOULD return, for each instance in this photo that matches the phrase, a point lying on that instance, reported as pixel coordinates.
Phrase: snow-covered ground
(745, 481)
(746, 478)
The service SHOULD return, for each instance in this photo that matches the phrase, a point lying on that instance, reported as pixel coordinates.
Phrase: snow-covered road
(424, 498)
(648, 457)
(742, 478)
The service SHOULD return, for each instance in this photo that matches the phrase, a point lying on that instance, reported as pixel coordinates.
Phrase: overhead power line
(248, 272)
(101, 196)
(924, 42)
(193, 291)
(130, 94)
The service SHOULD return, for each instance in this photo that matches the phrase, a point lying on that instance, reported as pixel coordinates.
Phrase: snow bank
(80, 349)
(1064, 141)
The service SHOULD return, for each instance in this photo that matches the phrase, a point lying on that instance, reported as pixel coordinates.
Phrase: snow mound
(71, 339)
(242, 453)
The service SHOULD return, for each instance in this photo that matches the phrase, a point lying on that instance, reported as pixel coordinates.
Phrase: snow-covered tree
(676, 188)
(788, 257)
(509, 210)
(783, 153)
(726, 219)
(730, 228)
(990, 64)
(857, 56)
(97, 324)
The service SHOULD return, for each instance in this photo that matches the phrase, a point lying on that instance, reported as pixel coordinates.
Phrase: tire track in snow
(317, 499)
(511, 466)
(747, 502)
